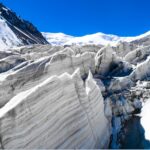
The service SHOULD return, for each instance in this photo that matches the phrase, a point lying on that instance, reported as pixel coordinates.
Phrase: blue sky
(80, 17)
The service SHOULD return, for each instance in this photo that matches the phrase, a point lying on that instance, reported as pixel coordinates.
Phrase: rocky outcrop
(57, 113)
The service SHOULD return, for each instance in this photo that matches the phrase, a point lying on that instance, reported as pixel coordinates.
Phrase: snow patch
(145, 121)
(7, 37)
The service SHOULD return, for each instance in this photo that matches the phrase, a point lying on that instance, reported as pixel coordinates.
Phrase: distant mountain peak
(98, 38)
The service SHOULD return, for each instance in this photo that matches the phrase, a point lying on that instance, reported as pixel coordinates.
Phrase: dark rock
(23, 29)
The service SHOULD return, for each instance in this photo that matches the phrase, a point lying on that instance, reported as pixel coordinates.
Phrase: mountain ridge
(16, 31)
(98, 38)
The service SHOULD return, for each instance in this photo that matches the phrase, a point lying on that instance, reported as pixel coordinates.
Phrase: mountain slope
(15, 31)
(97, 39)
(57, 38)
(63, 39)
(7, 36)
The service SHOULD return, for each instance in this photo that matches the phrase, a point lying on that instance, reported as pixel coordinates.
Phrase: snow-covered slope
(7, 36)
(97, 39)
(15, 31)
(57, 38)
(134, 38)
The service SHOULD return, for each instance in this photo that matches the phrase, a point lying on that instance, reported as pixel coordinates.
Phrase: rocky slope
(15, 31)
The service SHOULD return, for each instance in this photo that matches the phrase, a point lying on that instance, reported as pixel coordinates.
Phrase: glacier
(58, 91)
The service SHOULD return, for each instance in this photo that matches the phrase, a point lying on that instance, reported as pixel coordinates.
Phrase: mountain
(97, 39)
(57, 38)
(79, 96)
(15, 31)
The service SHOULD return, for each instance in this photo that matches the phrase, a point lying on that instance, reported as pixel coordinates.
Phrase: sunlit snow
(97, 38)
(145, 121)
